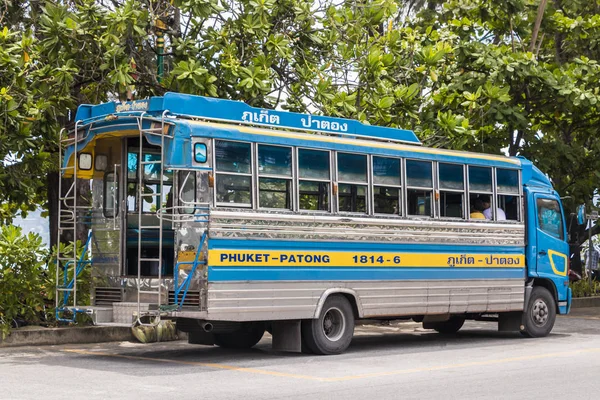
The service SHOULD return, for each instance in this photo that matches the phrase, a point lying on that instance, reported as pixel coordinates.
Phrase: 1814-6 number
(376, 259)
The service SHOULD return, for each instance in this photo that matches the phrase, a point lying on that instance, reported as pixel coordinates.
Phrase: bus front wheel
(540, 313)
(332, 332)
(245, 338)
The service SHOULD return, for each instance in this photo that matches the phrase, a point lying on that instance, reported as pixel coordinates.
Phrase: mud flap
(510, 321)
(287, 336)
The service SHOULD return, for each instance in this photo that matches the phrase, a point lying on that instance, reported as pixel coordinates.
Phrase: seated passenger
(487, 210)
(477, 209)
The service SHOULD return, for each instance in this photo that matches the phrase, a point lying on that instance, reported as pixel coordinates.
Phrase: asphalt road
(399, 361)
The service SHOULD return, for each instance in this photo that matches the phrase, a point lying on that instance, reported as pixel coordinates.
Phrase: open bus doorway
(150, 204)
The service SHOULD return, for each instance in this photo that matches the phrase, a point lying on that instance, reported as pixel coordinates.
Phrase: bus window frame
(491, 194)
(297, 179)
(252, 175)
(464, 192)
(432, 201)
(290, 178)
(519, 195)
(538, 225)
(400, 187)
(366, 184)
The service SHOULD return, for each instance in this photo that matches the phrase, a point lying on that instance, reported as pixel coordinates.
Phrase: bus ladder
(68, 211)
(156, 199)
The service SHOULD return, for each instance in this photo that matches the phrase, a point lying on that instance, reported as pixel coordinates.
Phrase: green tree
(518, 76)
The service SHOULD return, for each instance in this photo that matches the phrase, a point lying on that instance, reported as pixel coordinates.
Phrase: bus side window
(233, 173)
(352, 182)
(508, 201)
(419, 184)
(274, 177)
(314, 177)
(550, 217)
(111, 195)
(452, 190)
(480, 193)
(386, 185)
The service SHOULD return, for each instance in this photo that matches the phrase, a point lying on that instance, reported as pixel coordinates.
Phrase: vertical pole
(75, 161)
(589, 268)
(160, 47)
(58, 231)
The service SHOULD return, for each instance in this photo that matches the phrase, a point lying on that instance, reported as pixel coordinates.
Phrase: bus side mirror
(581, 214)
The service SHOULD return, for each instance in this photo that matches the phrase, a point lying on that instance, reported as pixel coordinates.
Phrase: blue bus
(233, 221)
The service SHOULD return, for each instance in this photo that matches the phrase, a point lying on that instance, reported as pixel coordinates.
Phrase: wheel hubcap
(540, 312)
(334, 324)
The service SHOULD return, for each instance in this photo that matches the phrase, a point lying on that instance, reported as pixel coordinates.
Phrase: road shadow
(171, 358)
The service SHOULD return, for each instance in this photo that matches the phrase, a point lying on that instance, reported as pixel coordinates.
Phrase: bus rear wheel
(332, 332)
(540, 314)
(246, 337)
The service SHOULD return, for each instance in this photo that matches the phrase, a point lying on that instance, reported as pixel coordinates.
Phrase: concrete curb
(70, 335)
(582, 302)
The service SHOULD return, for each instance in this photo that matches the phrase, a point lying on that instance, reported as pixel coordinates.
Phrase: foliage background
(516, 76)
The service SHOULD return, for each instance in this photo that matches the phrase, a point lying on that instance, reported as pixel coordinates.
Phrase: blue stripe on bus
(245, 244)
(226, 274)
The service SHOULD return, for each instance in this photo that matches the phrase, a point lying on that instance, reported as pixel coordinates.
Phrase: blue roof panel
(240, 112)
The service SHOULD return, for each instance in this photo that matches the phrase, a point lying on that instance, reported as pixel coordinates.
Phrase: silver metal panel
(288, 226)
(270, 300)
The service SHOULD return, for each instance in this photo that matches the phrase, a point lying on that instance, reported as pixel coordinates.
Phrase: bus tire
(248, 336)
(332, 332)
(449, 327)
(540, 314)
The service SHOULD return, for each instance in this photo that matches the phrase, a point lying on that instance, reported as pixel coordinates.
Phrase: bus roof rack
(231, 111)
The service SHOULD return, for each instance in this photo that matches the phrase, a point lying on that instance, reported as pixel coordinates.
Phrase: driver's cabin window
(550, 217)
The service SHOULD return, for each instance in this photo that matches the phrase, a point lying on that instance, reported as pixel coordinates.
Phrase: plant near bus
(28, 279)
(49, 284)
(22, 259)
(585, 288)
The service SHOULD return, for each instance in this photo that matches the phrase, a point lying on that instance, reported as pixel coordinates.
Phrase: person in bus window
(477, 209)
(487, 209)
